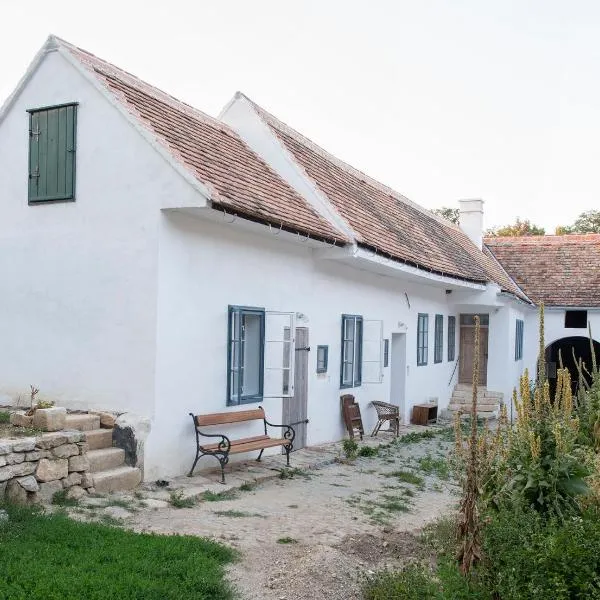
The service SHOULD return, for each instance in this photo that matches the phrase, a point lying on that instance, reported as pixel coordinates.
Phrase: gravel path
(316, 534)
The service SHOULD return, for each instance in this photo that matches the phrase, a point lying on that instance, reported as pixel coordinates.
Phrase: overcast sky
(439, 99)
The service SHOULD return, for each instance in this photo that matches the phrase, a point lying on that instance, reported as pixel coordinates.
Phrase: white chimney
(471, 220)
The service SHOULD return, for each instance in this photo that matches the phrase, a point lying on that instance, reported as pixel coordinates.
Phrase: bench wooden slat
(258, 445)
(236, 442)
(229, 417)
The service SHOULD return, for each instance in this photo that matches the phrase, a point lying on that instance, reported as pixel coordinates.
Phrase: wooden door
(295, 410)
(467, 354)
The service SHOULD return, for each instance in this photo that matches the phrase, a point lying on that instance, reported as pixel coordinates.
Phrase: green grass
(247, 486)
(416, 436)
(60, 499)
(178, 500)
(4, 416)
(74, 560)
(209, 496)
(406, 477)
(287, 473)
(287, 540)
(236, 514)
(434, 466)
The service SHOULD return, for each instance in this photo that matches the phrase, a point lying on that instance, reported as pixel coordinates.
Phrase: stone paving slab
(270, 467)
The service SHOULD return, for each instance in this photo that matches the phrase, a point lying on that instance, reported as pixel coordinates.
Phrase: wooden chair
(351, 415)
(386, 413)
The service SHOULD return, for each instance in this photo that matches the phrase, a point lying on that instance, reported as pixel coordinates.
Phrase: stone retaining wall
(33, 469)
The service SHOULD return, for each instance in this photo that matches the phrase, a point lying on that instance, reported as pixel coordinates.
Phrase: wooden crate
(424, 414)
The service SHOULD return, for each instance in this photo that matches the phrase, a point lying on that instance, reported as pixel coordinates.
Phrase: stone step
(480, 407)
(99, 438)
(105, 458)
(82, 422)
(466, 387)
(115, 480)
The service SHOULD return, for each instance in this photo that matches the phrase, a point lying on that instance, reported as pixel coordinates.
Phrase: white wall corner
(471, 220)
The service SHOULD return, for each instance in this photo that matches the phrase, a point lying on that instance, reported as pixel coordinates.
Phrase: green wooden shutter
(52, 134)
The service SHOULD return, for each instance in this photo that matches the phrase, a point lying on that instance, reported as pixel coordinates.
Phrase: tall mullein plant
(545, 467)
(469, 526)
(588, 399)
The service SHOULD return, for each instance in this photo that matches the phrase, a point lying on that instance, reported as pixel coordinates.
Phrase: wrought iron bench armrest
(288, 434)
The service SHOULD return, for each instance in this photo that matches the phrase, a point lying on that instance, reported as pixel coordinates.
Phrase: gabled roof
(385, 220)
(238, 180)
(559, 270)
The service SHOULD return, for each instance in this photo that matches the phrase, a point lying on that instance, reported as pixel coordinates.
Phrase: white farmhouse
(156, 261)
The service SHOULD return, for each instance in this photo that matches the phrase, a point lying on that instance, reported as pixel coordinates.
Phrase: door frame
(291, 411)
(398, 371)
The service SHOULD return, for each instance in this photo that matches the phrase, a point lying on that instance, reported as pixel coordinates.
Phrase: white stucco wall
(78, 280)
(206, 266)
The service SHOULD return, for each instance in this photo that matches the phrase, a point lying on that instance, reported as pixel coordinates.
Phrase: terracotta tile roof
(559, 270)
(238, 179)
(386, 220)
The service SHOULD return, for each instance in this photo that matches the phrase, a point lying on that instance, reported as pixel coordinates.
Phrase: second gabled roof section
(385, 220)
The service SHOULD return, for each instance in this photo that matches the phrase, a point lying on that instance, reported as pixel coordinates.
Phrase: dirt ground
(313, 534)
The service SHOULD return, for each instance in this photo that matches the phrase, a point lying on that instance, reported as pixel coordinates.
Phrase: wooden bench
(226, 446)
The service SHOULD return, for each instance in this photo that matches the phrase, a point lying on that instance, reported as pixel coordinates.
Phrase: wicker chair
(387, 412)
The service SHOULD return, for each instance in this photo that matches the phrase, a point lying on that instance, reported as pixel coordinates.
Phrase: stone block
(84, 447)
(73, 479)
(74, 436)
(3, 485)
(50, 419)
(26, 445)
(5, 448)
(76, 493)
(20, 419)
(2, 461)
(15, 494)
(47, 491)
(79, 463)
(29, 483)
(51, 470)
(66, 451)
(87, 481)
(51, 440)
(107, 421)
(18, 470)
(35, 455)
(14, 458)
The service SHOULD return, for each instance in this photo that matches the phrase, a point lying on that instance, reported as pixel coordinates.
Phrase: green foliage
(406, 477)
(287, 540)
(587, 222)
(529, 556)
(74, 560)
(451, 214)
(210, 496)
(178, 500)
(368, 452)
(518, 229)
(350, 448)
(287, 473)
(4, 416)
(60, 499)
(416, 436)
(434, 466)
(413, 582)
(247, 486)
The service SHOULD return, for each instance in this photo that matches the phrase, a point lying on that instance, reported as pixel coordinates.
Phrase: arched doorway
(566, 348)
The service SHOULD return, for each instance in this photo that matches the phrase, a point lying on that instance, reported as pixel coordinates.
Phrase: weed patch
(368, 452)
(4, 416)
(209, 496)
(178, 500)
(434, 466)
(287, 540)
(60, 498)
(407, 477)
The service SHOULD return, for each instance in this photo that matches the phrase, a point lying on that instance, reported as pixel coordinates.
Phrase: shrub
(529, 556)
(350, 448)
(178, 500)
(413, 582)
(4, 416)
(368, 452)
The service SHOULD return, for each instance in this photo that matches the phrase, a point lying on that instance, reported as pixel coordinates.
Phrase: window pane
(251, 354)
(349, 329)
(347, 378)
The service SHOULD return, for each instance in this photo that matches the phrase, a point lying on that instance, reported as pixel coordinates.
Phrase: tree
(587, 222)
(518, 229)
(452, 214)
